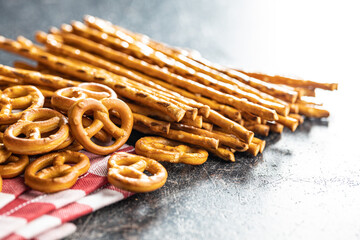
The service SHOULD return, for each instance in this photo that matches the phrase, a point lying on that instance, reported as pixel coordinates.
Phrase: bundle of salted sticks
(183, 96)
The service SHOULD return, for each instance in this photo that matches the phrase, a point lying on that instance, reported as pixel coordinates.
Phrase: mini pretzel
(65, 97)
(50, 173)
(18, 97)
(101, 120)
(126, 171)
(162, 149)
(33, 124)
(13, 166)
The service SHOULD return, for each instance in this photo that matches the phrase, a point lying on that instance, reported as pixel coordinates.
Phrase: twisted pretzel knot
(101, 120)
(50, 173)
(18, 98)
(126, 171)
(162, 149)
(13, 165)
(33, 124)
(63, 98)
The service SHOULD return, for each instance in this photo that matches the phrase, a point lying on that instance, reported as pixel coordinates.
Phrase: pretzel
(276, 127)
(224, 153)
(162, 149)
(18, 97)
(101, 120)
(313, 111)
(33, 124)
(52, 172)
(126, 171)
(169, 77)
(13, 166)
(65, 97)
(288, 122)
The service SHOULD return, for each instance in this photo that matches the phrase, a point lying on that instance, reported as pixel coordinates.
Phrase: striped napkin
(27, 214)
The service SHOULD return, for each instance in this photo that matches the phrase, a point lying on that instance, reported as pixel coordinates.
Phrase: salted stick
(163, 60)
(92, 74)
(56, 46)
(229, 141)
(293, 82)
(181, 136)
(133, 39)
(165, 75)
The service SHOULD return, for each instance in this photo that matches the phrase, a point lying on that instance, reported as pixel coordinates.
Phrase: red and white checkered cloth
(24, 215)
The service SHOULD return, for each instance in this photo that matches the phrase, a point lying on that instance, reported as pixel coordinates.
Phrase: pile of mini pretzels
(94, 82)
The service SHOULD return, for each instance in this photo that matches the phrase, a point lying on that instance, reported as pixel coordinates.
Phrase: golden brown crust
(51, 173)
(101, 117)
(125, 171)
(162, 149)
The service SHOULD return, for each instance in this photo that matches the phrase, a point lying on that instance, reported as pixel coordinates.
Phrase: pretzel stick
(294, 82)
(288, 122)
(306, 92)
(131, 38)
(58, 47)
(223, 153)
(276, 127)
(226, 140)
(207, 126)
(250, 117)
(313, 111)
(261, 143)
(23, 65)
(93, 74)
(225, 110)
(181, 136)
(294, 108)
(171, 78)
(178, 68)
(298, 117)
(229, 125)
(260, 129)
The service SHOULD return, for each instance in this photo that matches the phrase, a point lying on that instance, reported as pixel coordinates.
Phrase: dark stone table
(306, 184)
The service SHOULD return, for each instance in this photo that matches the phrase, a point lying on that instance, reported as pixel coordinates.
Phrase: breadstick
(207, 126)
(276, 127)
(135, 50)
(171, 78)
(261, 143)
(93, 74)
(232, 126)
(288, 122)
(223, 153)
(260, 129)
(226, 140)
(181, 136)
(23, 65)
(313, 111)
(298, 117)
(294, 82)
(131, 38)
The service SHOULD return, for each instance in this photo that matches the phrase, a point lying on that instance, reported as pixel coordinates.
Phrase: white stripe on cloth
(10, 224)
(37, 225)
(5, 198)
(59, 232)
(95, 201)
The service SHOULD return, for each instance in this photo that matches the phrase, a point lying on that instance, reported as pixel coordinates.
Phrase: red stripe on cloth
(14, 237)
(125, 193)
(71, 212)
(90, 182)
(14, 186)
(33, 210)
(6, 210)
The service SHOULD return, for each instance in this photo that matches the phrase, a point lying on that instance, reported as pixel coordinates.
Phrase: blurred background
(311, 192)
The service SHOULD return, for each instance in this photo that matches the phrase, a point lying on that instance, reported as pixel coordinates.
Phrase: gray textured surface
(304, 186)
